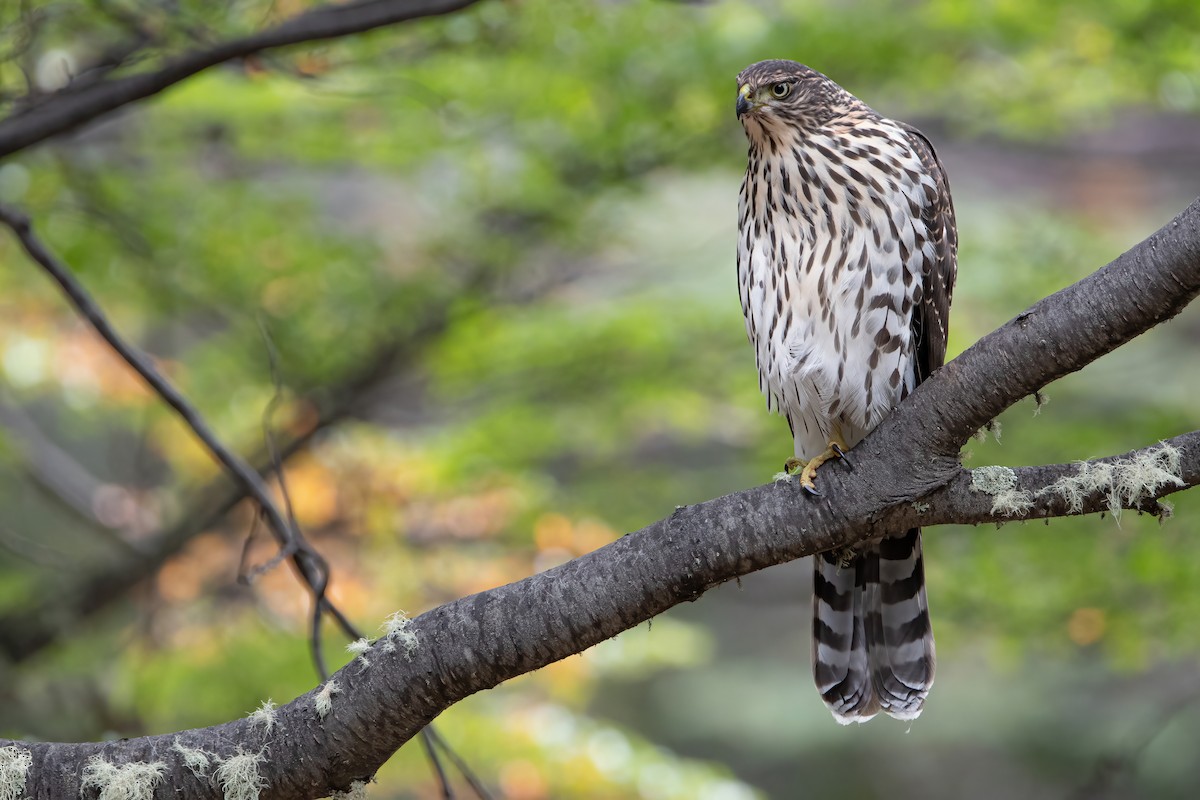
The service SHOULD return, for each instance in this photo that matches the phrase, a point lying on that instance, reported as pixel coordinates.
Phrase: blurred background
(475, 275)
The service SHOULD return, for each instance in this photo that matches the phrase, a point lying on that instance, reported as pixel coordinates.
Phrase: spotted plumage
(846, 262)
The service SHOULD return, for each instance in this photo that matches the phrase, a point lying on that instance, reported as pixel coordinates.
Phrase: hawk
(846, 256)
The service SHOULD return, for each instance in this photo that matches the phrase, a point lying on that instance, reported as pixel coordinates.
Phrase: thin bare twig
(427, 739)
(470, 777)
(248, 574)
(273, 452)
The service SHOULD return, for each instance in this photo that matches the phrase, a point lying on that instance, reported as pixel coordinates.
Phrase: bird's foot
(793, 466)
(808, 470)
(840, 450)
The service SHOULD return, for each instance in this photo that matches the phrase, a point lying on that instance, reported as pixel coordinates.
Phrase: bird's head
(786, 95)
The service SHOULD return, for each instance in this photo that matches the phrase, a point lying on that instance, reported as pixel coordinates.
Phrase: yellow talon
(837, 449)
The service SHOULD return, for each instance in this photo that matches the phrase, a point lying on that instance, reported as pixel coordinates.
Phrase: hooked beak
(744, 104)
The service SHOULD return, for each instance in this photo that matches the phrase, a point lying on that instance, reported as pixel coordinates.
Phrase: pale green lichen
(263, 716)
(994, 427)
(1039, 400)
(357, 791)
(397, 629)
(14, 771)
(195, 759)
(1001, 484)
(1124, 484)
(134, 781)
(238, 776)
(920, 508)
(359, 647)
(324, 698)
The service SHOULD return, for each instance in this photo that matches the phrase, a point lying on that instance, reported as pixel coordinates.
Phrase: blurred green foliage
(556, 181)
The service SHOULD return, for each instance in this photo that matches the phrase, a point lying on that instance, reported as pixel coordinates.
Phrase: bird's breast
(830, 252)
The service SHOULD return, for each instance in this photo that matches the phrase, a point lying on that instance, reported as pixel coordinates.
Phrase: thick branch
(71, 109)
(474, 643)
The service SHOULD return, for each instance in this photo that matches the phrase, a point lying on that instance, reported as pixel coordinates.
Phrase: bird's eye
(781, 89)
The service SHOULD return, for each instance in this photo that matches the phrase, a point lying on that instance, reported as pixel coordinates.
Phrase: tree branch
(71, 108)
(906, 474)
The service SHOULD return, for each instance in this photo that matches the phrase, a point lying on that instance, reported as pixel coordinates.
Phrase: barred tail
(840, 665)
(872, 641)
(899, 636)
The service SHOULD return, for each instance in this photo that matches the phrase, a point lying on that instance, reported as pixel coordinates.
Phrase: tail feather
(840, 666)
(873, 644)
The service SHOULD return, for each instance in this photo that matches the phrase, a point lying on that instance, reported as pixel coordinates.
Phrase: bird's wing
(931, 318)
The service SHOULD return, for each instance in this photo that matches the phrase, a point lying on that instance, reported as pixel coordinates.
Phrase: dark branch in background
(907, 474)
(309, 564)
(75, 106)
(432, 754)
(432, 737)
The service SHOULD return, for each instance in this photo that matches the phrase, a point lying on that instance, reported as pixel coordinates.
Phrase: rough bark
(906, 473)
